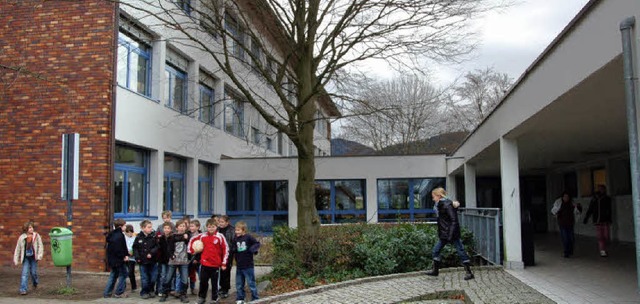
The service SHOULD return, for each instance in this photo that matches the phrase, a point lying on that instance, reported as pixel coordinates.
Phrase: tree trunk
(308, 220)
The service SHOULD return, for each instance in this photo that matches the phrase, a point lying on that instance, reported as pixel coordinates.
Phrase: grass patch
(65, 291)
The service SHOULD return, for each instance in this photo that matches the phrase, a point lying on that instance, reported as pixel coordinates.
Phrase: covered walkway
(585, 277)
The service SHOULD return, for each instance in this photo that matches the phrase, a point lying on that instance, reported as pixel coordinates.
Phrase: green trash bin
(61, 246)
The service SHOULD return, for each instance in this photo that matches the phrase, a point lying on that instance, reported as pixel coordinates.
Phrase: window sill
(135, 217)
(141, 95)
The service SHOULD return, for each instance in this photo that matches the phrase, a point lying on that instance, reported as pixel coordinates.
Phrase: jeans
(148, 274)
(248, 275)
(163, 272)
(29, 267)
(567, 238)
(459, 247)
(118, 273)
(184, 276)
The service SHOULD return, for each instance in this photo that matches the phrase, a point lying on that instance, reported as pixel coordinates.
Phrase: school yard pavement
(491, 285)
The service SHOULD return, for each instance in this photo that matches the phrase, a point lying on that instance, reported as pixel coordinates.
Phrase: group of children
(170, 250)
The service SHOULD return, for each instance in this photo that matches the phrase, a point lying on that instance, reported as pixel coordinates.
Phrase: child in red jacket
(213, 258)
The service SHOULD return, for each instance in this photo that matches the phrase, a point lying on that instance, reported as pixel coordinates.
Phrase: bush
(352, 251)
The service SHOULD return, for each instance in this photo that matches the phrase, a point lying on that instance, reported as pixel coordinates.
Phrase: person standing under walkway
(600, 211)
(565, 211)
(448, 232)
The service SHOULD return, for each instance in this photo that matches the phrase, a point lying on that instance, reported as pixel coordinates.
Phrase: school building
(103, 71)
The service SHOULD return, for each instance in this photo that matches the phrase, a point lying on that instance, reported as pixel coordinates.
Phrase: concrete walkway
(585, 277)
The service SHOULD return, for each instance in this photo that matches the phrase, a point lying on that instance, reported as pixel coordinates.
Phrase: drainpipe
(630, 80)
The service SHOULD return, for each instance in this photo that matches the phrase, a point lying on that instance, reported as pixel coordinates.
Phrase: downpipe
(630, 86)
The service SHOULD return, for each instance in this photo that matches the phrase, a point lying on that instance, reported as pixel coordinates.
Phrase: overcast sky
(511, 38)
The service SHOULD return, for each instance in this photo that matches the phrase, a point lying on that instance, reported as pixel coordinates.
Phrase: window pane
(323, 195)
(274, 196)
(123, 59)
(349, 195)
(205, 196)
(228, 118)
(178, 94)
(118, 200)
(176, 195)
(129, 156)
(350, 218)
(393, 194)
(240, 196)
(165, 203)
(167, 87)
(422, 194)
(206, 105)
(172, 164)
(267, 222)
(136, 192)
(139, 73)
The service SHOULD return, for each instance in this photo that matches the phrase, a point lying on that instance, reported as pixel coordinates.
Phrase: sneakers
(163, 298)
(240, 302)
(145, 296)
(23, 293)
(603, 253)
(224, 294)
(200, 301)
(122, 295)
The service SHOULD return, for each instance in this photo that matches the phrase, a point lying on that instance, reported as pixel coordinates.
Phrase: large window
(406, 199)
(130, 182)
(174, 186)
(341, 201)
(234, 116)
(261, 204)
(134, 63)
(205, 189)
(236, 36)
(206, 104)
(176, 89)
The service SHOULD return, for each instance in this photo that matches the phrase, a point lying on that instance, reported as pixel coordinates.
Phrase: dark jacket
(600, 209)
(143, 245)
(565, 216)
(246, 246)
(229, 233)
(116, 248)
(448, 225)
(163, 249)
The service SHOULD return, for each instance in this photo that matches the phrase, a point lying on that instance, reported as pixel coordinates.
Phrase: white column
(158, 80)
(470, 185)
(510, 177)
(156, 179)
(191, 180)
(451, 187)
(372, 200)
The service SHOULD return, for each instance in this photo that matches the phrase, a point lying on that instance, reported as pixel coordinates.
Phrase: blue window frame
(176, 89)
(207, 113)
(236, 36)
(341, 201)
(134, 64)
(261, 204)
(173, 197)
(406, 200)
(130, 182)
(205, 189)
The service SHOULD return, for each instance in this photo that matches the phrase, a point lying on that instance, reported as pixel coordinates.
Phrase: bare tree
(398, 112)
(476, 96)
(297, 47)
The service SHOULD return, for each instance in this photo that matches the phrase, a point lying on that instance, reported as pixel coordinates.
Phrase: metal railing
(485, 224)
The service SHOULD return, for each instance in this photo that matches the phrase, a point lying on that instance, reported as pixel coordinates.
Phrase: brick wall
(56, 76)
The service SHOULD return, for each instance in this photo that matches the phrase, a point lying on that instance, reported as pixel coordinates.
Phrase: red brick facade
(56, 76)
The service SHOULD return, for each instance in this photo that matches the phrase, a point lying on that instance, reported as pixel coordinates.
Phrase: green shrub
(345, 252)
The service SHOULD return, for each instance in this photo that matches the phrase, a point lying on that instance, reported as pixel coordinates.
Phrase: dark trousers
(567, 237)
(208, 274)
(225, 280)
(131, 265)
